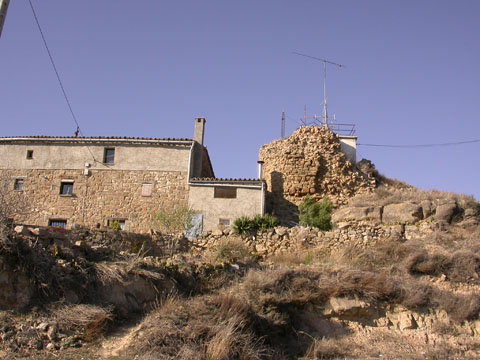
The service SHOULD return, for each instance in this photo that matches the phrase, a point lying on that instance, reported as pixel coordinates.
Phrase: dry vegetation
(385, 195)
(227, 304)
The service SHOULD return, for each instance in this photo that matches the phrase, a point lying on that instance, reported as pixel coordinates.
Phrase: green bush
(265, 222)
(115, 225)
(245, 225)
(316, 214)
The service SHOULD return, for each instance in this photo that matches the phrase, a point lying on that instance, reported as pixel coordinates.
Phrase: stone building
(93, 181)
(313, 161)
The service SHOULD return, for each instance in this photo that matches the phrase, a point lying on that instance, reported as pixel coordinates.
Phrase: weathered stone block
(406, 213)
(356, 213)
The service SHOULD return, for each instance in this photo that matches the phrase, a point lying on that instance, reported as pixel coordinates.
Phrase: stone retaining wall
(283, 240)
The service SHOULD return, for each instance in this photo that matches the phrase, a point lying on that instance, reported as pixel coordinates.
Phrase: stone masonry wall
(103, 195)
(309, 162)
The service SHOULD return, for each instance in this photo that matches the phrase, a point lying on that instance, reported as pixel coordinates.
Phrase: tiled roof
(92, 138)
(225, 180)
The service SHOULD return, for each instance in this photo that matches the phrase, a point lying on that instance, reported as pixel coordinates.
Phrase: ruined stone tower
(308, 162)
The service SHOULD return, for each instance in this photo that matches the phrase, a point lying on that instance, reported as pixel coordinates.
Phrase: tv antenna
(325, 62)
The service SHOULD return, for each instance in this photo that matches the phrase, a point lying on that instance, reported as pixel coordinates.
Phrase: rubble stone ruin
(309, 163)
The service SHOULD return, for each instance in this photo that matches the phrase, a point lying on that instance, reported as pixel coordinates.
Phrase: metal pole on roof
(3, 13)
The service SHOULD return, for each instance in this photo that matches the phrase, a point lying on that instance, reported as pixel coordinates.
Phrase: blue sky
(149, 67)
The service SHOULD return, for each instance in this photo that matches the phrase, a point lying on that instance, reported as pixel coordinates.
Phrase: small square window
(147, 189)
(225, 193)
(58, 223)
(29, 154)
(66, 188)
(109, 156)
(225, 222)
(18, 185)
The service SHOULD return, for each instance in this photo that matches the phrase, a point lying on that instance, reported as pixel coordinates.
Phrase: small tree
(172, 222)
(316, 214)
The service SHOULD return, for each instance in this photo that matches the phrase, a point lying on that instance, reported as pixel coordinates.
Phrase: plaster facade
(248, 201)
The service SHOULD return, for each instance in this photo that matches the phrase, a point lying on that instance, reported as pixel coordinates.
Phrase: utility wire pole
(3, 13)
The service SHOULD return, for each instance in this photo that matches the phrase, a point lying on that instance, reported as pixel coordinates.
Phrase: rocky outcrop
(408, 212)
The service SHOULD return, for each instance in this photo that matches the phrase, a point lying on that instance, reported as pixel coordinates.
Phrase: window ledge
(67, 195)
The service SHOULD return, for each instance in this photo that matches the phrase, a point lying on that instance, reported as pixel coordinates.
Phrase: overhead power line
(55, 68)
(423, 145)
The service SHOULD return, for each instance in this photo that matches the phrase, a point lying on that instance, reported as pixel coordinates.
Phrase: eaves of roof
(220, 181)
(95, 139)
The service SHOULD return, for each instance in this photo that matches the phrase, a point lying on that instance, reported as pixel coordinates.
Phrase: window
(116, 224)
(58, 223)
(147, 189)
(225, 193)
(109, 155)
(18, 185)
(225, 222)
(66, 188)
(29, 154)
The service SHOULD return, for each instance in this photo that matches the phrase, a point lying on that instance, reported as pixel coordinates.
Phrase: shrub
(173, 220)
(115, 225)
(245, 225)
(232, 250)
(316, 214)
(265, 222)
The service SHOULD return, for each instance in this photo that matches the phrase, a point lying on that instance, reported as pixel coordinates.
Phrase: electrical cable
(54, 67)
(422, 145)
(58, 77)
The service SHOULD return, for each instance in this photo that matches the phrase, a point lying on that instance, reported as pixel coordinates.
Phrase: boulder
(446, 211)
(428, 208)
(356, 213)
(405, 213)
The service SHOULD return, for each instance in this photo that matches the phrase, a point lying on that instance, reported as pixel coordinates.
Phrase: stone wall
(308, 162)
(100, 196)
(298, 239)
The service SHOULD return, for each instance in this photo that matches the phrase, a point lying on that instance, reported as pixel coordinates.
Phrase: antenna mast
(325, 62)
(283, 124)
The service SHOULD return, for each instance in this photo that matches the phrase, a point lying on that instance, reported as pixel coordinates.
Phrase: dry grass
(230, 250)
(461, 266)
(325, 349)
(89, 320)
(118, 272)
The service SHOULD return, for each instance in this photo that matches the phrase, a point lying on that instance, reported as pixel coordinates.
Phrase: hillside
(397, 278)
